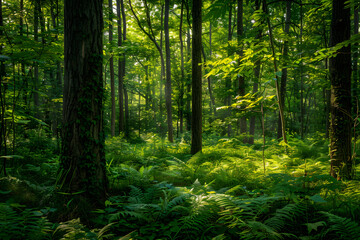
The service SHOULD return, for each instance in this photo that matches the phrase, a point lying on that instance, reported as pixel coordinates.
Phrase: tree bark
(168, 74)
(82, 162)
(340, 76)
(181, 105)
(120, 68)
(227, 101)
(112, 75)
(36, 67)
(241, 79)
(355, 61)
(196, 120)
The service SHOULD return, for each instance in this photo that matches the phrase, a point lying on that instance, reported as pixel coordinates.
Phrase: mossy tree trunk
(82, 169)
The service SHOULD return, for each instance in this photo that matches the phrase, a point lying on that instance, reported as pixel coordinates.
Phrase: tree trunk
(284, 70)
(355, 61)
(112, 76)
(82, 162)
(227, 101)
(196, 120)
(340, 76)
(120, 68)
(281, 110)
(181, 104)
(36, 67)
(188, 87)
(256, 82)
(168, 73)
(241, 79)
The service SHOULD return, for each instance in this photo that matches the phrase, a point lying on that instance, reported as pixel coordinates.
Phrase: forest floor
(159, 191)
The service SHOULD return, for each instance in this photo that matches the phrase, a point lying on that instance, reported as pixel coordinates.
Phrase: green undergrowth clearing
(159, 191)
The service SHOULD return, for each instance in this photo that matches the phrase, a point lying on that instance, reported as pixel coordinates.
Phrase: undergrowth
(229, 191)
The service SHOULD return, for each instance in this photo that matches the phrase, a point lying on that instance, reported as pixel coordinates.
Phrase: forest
(182, 119)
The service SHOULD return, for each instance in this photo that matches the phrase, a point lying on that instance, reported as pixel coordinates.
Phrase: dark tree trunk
(112, 75)
(120, 68)
(340, 76)
(36, 67)
(241, 79)
(196, 120)
(356, 76)
(181, 104)
(3, 146)
(82, 162)
(168, 73)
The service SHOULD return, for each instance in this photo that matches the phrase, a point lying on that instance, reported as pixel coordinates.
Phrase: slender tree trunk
(355, 60)
(196, 122)
(302, 106)
(120, 69)
(36, 67)
(228, 79)
(212, 98)
(112, 75)
(284, 70)
(181, 105)
(256, 82)
(281, 111)
(188, 88)
(340, 75)
(241, 79)
(82, 163)
(3, 147)
(168, 74)
(127, 113)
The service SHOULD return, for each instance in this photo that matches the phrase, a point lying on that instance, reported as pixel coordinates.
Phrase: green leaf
(314, 226)
(5, 192)
(318, 199)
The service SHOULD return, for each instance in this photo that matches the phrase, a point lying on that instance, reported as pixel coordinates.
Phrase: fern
(340, 228)
(286, 215)
(258, 230)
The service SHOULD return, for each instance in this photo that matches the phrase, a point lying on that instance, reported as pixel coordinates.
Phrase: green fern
(258, 230)
(340, 228)
(286, 215)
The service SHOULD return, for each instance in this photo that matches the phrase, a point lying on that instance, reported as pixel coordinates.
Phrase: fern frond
(136, 195)
(176, 201)
(258, 230)
(341, 228)
(285, 215)
(124, 214)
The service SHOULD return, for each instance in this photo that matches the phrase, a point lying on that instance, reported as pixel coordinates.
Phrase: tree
(340, 108)
(196, 117)
(82, 162)
(168, 73)
(121, 62)
(112, 76)
(284, 70)
(241, 79)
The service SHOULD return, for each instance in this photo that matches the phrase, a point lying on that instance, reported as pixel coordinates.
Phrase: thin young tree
(196, 117)
(168, 73)
(112, 75)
